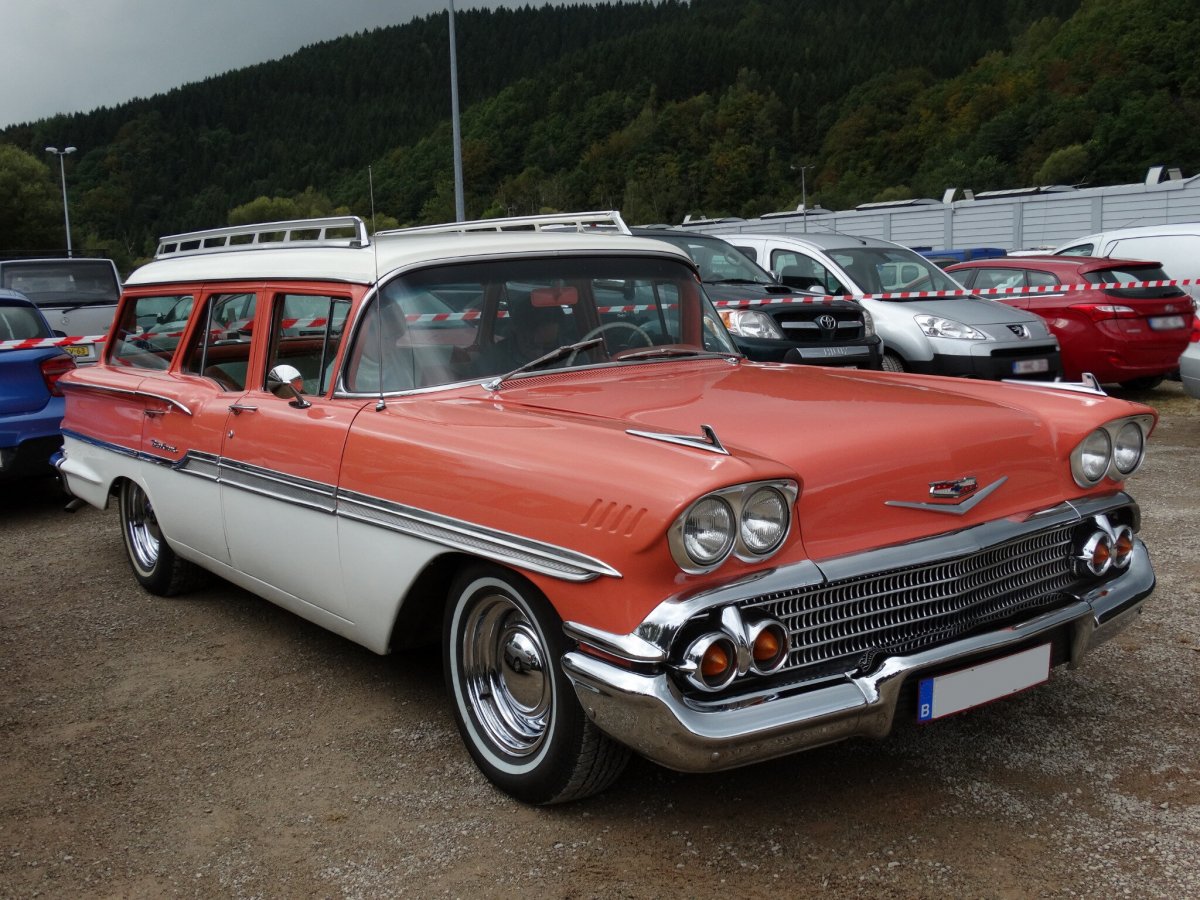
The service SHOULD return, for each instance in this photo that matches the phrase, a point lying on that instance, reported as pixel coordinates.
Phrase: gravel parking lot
(214, 745)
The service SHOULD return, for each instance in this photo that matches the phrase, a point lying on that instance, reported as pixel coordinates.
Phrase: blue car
(31, 402)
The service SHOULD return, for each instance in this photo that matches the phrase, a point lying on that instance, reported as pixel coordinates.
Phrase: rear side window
(1042, 279)
(18, 323)
(149, 331)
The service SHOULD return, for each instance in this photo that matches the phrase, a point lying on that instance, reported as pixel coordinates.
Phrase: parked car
(962, 336)
(1128, 335)
(77, 295)
(31, 399)
(1175, 247)
(772, 322)
(950, 256)
(1189, 362)
(624, 535)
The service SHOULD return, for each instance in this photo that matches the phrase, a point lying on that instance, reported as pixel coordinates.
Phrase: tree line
(659, 109)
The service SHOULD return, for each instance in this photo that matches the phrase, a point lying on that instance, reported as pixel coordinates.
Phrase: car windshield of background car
(524, 309)
(877, 270)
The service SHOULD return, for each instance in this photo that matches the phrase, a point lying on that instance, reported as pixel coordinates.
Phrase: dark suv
(769, 321)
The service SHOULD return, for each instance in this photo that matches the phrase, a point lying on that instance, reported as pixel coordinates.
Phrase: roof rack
(335, 231)
(605, 221)
(690, 222)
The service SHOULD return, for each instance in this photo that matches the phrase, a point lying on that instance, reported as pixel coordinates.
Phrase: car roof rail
(608, 221)
(334, 231)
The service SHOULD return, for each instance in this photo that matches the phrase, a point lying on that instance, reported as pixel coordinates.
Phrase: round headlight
(708, 531)
(1095, 453)
(1128, 448)
(764, 521)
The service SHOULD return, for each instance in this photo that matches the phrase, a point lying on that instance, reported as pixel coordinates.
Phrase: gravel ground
(217, 746)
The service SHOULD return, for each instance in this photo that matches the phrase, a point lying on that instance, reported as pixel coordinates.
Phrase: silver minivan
(963, 336)
(78, 296)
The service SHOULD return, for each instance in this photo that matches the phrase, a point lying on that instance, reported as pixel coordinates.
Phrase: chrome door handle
(154, 413)
(237, 409)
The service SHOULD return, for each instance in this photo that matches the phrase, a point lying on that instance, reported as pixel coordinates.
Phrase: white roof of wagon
(361, 260)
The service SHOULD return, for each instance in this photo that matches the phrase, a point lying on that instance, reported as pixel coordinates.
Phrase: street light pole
(804, 194)
(62, 171)
(459, 205)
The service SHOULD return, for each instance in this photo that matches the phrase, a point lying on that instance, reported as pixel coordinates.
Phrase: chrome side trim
(955, 509)
(501, 546)
(124, 392)
(707, 440)
(269, 483)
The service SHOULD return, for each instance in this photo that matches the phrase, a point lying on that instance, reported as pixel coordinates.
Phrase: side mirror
(287, 383)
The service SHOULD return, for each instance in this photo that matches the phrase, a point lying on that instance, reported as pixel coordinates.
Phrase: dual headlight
(1115, 450)
(750, 521)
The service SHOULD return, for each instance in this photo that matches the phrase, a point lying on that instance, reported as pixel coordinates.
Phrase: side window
(220, 348)
(1077, 250)
(149, 331)
(1000, 278)
(804, 272)
(1042, 279)
(306, 333)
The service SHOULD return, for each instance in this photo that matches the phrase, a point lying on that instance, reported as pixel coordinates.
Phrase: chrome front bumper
(648, 713)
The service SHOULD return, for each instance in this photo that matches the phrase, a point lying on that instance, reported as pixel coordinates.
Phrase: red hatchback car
(1132, 336)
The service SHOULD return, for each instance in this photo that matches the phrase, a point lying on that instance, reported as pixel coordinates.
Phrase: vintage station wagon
(541, 449)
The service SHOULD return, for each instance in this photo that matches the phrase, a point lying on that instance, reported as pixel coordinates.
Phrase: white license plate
(1027, 366)
(967, 688)
(1166, 323)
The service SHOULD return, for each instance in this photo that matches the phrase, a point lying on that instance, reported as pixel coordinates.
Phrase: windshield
(717, 260)
(423, 331)
(878, 270)
(78, 282)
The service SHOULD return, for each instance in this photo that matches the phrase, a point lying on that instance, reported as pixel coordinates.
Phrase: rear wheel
(515, 708)
(1149, 383)
(892, 362)
(154, 563)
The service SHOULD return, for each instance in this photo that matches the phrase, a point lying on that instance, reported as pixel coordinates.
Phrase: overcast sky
(63, 56)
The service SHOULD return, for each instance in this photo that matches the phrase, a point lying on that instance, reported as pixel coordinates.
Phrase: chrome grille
(843, 626)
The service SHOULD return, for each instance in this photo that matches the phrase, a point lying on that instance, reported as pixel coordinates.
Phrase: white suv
(963, 336)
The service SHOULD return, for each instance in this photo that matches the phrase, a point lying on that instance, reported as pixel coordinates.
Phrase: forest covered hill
(658, 109)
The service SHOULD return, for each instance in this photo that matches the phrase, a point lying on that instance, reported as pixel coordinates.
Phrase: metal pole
(460, 211)
(804, 197)
(62, 171)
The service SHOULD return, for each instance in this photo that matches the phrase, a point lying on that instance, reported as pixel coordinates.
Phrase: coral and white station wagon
(541, 449)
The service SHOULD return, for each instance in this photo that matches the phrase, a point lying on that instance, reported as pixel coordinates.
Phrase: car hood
(856, 441)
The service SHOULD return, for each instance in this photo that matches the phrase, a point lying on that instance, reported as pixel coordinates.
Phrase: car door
(280, 458)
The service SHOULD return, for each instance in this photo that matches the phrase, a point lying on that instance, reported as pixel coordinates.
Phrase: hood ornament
(963, 495)
(707, 440)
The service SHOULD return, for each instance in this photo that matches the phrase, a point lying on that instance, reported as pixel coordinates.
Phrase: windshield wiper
(556, 353)
(652, 352)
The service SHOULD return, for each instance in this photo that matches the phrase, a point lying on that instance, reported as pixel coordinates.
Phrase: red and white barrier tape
(821, 299)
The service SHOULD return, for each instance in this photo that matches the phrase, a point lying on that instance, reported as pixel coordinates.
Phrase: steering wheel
(639, 334)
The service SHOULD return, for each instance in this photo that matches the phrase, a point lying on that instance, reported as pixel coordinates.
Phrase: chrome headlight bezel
(1125, 436)
(740, 500)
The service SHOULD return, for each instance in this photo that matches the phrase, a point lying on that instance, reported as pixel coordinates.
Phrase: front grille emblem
(1021, 331)
(959, 489)
(827, 322)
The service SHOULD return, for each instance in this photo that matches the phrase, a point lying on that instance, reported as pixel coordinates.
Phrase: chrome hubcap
(141, 527)
(504, 669)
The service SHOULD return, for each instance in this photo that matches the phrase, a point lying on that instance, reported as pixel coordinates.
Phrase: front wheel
(154, 563)
(892, 363)
(514, 706)
(1147, 383)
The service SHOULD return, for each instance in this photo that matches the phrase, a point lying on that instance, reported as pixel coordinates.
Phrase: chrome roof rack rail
(609, 221)
(335, 231)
